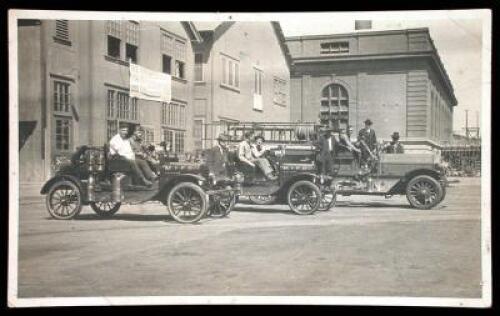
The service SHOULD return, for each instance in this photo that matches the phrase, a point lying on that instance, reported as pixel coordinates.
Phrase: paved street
(364, 246)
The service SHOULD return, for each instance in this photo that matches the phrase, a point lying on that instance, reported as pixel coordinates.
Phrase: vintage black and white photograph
(333, 158)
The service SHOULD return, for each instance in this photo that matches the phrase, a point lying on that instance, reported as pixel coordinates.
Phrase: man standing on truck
(216, 158)
(326, 144)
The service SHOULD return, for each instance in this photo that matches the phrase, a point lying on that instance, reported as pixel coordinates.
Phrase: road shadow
(126, 217)
(251, 208)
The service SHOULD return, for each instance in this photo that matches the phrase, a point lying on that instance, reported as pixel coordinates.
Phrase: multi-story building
(241, 74)
(395, 78)
(74, 83)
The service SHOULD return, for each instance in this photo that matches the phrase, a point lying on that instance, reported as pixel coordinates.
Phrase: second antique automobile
(92, 178)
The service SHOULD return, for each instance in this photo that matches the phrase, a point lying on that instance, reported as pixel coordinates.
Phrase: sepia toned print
(326, 158)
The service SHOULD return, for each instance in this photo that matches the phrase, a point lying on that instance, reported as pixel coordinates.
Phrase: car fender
(48, 184)
(298, 177)
(400, 187)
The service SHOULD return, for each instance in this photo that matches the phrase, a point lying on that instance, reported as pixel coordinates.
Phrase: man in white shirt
(120, 149)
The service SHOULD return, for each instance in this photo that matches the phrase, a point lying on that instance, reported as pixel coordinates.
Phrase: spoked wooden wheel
(221, 205)
(328, 198)
(64, 200)
(187, 203)
(105, 208)
(304, 197)
(424, 192)
(263, 199)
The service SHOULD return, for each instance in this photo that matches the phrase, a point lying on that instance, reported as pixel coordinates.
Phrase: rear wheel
(105, 208)
(64, 200)
(424, 192)
(304, 197)
(187, 202)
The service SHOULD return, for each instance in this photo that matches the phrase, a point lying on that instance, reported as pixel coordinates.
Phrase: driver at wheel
(120, 149)
(216, 158)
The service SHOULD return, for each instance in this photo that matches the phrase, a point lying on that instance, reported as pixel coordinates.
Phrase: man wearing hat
(395, 146)
(327, 144)
(216, 158)
(368, 142)
(258, 152)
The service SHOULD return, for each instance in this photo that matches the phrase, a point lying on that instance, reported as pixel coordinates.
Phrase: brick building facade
(395, 78)
(74, 83)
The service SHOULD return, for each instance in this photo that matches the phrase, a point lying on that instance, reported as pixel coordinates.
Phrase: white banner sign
(150, 85)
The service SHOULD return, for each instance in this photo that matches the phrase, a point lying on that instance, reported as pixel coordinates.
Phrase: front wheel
(424, 192)
(304, 197)
(187, 202)
(105, 208)
(64, 200)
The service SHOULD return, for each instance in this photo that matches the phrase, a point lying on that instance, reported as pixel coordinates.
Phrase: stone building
(395, 78)
(74, 83)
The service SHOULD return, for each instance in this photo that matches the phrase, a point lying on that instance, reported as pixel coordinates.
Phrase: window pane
(230, 72)
(131, 53)
(113, 47)
(224, 73)
(167, 64)
(237, 75)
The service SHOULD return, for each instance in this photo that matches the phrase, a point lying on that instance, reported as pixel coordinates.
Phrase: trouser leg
(264, 165)
(138, 175)
(146, 170)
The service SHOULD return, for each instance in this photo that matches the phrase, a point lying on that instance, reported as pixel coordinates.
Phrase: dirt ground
(369, 246)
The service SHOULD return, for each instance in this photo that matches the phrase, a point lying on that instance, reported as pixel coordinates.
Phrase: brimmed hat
(368, 122)
(395, 135)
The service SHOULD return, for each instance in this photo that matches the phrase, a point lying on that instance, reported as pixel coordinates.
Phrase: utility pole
(477, 124)
(467, 124)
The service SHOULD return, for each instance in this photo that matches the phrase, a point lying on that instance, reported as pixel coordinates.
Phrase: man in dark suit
(394, 147)
(326, 144)
(216, 158)
(368, 142)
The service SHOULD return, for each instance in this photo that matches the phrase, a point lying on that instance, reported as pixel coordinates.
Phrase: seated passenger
(345, 141)
(245, 156)
(141, 157)
(394, 147)
(120, 149)
(258, 152)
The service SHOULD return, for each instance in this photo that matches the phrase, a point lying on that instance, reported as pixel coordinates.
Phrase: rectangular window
(114, 28)
(179, 69)
(149, 135)
(62, 97)
(167, 45)
(230, 72)
(62, 32)
(179, 142)
(133, 33)
(111, 128)
(134, 116)
(335, 48)
(165, 115)
(131, 53)
(182, 115)
(258, 81)
(166, 64)
(198, 67)
(63, 133)
(280, 91)
(110, 104)
(113, 47)
(180, 50)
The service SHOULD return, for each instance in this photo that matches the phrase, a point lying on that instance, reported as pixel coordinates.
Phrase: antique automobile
(292, 156)
(92, 178)
(419, 176)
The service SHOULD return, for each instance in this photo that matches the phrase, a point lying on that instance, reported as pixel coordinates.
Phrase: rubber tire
(53, 188)
(310, 185)
(109, 213)
(256, 201)
(436, 184)
(199, 191)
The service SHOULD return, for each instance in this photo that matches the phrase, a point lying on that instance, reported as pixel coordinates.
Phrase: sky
(458, 40)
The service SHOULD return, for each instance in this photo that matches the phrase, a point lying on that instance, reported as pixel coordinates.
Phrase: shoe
(147, 183)
(154, 178)
(271, 176)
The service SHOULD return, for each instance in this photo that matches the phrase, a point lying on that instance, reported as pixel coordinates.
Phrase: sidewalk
(30, 192)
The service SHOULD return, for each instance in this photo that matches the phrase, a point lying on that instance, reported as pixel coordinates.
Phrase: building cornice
(354, 34)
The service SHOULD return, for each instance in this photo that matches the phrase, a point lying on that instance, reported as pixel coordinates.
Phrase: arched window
(334, 111)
